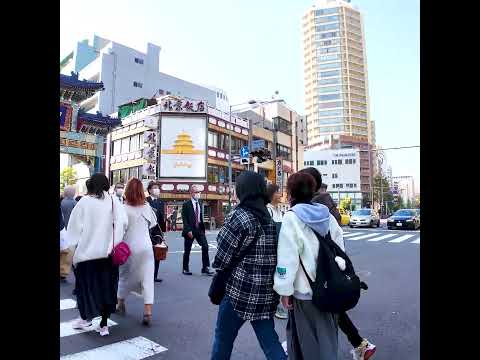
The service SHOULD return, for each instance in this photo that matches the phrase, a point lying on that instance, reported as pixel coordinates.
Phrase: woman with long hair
(136, 275)
(96, 223)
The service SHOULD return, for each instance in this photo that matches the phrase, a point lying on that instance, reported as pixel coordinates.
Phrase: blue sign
(244, 152)
(258, 144)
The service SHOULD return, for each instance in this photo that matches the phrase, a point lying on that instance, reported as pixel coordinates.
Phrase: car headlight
(410, 220)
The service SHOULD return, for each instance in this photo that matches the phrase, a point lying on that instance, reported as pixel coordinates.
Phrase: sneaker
(207, 271)
(364, 352)
(281, 314)
(81, 324)
(102, 330)
(186, 272)
(284, 346)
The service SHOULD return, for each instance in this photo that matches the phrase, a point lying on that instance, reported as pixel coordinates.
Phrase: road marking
(67, 330)
(416, 241)
(351, 234)
(133, 349)
(382, 237)
(401, 238)
(66, 304)
(364, 236)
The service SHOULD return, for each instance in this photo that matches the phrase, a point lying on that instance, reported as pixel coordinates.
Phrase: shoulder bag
(121, 252)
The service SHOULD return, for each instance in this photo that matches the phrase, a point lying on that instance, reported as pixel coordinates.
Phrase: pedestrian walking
(97, 223)
(194, 229)
(68, 203)
(173, 220)
(274, 198)
(363, 349)
(136, 275)
(118, 191)
(247, 238)
(158, 206)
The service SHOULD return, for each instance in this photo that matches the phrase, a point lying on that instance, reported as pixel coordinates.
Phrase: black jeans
(347, 327)
(202, 241)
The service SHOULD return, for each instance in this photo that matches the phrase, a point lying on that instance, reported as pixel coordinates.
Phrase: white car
(364, 217)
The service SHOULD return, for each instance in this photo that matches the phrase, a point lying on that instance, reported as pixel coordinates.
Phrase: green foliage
(345, 203)
(68, 176)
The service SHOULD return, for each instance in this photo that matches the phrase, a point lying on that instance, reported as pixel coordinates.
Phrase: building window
(318, 162)
(334, 65)
(328, 11)
(161, 92)
(330, 81)
(283, 125)
(137, 84)
(168, 92)
(212, 139)
(334, 176)
(329, 89)
(330, 105)
(327, 27)
(139, 61)
(330, 97)
(329, 73)
(117, 147)
(285, 153)
(125, 146)
(135, 142)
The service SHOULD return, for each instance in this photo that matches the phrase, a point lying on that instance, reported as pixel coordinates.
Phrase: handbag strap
(113, 224)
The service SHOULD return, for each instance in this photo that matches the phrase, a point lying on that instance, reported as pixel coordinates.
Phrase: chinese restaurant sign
(65, 116)
(170, 104)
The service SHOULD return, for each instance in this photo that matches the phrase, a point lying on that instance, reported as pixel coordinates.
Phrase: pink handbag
(121, 252)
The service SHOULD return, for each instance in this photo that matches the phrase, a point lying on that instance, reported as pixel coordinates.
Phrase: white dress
(137, 273)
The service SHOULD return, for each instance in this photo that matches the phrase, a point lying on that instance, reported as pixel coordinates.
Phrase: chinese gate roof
(98, 119)
(78, 90)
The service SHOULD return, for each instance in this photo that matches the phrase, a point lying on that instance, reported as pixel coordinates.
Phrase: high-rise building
(335, 69)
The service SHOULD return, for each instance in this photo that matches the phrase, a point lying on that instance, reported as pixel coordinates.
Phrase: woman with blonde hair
(136, 275)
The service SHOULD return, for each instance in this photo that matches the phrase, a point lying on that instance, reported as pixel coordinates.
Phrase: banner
(183, 147)
(65, 117)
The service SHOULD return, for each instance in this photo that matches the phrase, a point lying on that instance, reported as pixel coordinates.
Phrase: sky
(251, 49)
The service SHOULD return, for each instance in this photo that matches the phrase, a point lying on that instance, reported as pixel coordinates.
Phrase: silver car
(364, 217)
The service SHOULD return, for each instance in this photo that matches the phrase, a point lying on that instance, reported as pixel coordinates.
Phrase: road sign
(244, 152)
(258, 144)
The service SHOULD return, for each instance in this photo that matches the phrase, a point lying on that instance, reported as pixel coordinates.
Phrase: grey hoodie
(316, 216)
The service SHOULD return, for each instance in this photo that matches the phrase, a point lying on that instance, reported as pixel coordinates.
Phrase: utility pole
(230, 163)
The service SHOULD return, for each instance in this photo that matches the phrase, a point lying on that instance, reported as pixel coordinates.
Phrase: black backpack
(334, 290)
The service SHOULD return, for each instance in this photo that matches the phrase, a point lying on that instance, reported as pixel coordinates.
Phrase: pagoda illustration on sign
(183, 146)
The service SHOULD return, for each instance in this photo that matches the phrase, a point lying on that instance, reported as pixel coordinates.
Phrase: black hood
(251, 190)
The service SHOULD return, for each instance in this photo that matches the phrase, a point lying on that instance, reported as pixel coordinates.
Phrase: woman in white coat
(136, 275)
(91, 236)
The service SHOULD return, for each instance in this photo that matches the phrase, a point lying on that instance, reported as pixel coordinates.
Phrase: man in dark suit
(194, 229)
(157, 205)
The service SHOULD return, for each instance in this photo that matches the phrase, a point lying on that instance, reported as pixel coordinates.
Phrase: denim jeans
(228, 325)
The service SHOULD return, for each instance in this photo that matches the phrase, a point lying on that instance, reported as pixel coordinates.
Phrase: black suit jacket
(159, 208)
(188, 217)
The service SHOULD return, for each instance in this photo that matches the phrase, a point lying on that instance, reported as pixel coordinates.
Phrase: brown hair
(301, 187)
(134, 193)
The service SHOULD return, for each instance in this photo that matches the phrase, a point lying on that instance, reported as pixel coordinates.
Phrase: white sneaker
(364, 352)
(81, 324)
(284, 346)
(102, 330)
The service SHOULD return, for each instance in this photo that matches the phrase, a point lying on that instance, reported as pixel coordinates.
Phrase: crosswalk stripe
(351, 234)
(402, 238)
(364, 236)
(382, 237)
(416, 241)
(67, 330)
(66, 304)
(136, 348)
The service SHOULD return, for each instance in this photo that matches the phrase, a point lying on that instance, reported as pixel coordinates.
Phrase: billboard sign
(183, 147)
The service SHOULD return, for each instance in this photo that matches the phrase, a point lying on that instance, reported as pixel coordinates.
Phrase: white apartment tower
(335, 69)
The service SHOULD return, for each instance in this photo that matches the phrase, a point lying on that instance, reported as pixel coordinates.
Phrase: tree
(346, 203)
(381, 187)
(68, 176)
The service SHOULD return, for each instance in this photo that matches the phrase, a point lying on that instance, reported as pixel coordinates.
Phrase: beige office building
(335, 69)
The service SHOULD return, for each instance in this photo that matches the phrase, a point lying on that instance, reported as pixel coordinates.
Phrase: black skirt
(96, 285)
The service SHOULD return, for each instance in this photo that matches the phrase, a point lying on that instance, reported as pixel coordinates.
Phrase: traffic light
(262, 155)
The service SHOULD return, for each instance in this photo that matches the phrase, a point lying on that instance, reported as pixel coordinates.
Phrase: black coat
(159, 208)
(188, 217)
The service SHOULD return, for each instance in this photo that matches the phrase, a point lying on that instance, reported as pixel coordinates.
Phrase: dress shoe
(186, 272)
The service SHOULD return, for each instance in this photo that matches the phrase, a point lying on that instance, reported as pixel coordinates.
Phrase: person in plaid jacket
(249, 290)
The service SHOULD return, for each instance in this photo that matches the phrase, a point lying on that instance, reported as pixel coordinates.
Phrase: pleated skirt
(96, 285)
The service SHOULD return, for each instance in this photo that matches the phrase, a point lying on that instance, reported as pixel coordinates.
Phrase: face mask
(196, 196)
(155, 192)
(119, 192)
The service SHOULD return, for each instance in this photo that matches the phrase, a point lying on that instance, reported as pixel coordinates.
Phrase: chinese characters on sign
(77, 144)
(279, 174)
(92, 130)
(65, 116)
(182, 105)
(149, 154)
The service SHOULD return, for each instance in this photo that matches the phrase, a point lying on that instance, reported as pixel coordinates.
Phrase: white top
(275, 213)
(90, 228)
(296, 240)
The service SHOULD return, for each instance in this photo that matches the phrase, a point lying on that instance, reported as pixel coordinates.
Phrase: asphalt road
(183, 320)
